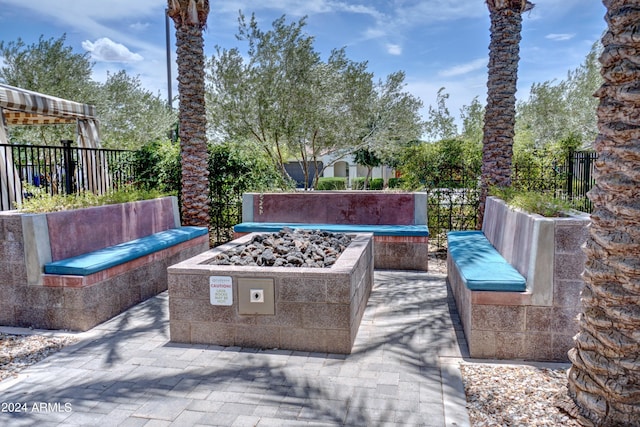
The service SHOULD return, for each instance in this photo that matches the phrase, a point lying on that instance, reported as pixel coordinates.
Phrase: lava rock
(287, 248)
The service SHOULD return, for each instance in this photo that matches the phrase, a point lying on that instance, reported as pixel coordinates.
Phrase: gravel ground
(19, 351)
(497, 395)
(501, 395)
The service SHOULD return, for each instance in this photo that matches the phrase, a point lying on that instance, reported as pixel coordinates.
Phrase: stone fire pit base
(314, 309)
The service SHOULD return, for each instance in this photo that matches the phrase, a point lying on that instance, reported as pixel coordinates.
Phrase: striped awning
(24, 107)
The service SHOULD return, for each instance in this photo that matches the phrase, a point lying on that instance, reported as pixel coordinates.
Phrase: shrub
(332, 183)
(538, 203)
(41, 202)
(396, 182)
(374, 184)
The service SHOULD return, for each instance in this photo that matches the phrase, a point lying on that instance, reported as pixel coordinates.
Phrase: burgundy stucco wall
(80, 231)
(335, 208)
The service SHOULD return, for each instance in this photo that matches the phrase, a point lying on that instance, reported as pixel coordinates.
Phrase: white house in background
(347, 168)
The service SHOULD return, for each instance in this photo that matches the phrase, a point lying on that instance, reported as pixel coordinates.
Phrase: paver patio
(126, 372)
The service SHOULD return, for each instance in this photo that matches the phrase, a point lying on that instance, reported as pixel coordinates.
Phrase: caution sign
(221, 290)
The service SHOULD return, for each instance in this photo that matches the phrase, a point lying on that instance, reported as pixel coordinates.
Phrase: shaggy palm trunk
(500, 112)
(190, 18)
(604, 381)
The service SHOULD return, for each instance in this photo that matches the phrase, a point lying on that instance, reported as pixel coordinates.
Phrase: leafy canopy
(295, 105)
(129, 115)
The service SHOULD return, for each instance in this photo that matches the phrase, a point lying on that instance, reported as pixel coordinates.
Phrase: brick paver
(125, 372)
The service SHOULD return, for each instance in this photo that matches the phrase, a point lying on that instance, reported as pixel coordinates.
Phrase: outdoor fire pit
(307, 307)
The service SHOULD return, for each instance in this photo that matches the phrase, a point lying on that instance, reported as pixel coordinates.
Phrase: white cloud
(559, 37)
(105, 49)
(139, 26)
(394, 49)
(458, 70)
(98, 19)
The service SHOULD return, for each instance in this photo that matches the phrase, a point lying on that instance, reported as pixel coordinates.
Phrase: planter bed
(99, 261)
(509, 321)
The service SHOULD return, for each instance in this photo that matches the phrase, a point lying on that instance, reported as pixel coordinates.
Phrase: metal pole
(68, 165)
(168, 44)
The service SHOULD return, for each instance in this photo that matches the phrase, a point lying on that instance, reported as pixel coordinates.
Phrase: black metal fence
(579, 179)
(62, 170)
(456, 206)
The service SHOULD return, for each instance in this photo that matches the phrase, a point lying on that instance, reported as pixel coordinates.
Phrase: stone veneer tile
(7, 313)
(568, 266)
(81, 320)
(315, 290)
(77, 298)
(326, 316)
(570, 237)
(339, 341)
(565, 319)
(10, 293)
(538, 346)
(498, 317)
(539, 319)
(41, 297)
(510, 345)
(128, 294)
(180, 331)
(340, 291)
(304, 339)
(482, 344)
(189, 309)
(288, 314)
(566, 293)
(257, 336)
(206, 333)
(192, 286)
(562, 343)
(107, 309)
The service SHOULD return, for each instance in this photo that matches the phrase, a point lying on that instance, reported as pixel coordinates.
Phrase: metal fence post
(69, 166)
(571, 161)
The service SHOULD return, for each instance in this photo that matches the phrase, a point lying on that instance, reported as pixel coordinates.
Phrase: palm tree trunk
(190, 18)
(604, 380)
(500, 112)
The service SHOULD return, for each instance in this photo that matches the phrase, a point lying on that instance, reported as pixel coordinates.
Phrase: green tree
(157, 166)
(284, 96)
(472, 117)
(234, 168)
(52, 68)
(296, 106)
(440, 124)
(368, 159)
(131, 116)
(451, 163)
(48, 66)
(392, 120)
(557, 110)
(190, 18)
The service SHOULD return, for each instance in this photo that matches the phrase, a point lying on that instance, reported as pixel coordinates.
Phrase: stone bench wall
(29, 298)
(538, 324)
(352, 207)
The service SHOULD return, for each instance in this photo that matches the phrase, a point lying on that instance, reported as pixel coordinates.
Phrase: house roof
(24, 107)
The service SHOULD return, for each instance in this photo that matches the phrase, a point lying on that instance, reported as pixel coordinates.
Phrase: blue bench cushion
(101, 259)
(377, 230)
(481, 266)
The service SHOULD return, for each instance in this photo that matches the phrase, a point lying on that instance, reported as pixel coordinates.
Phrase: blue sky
(438, 43)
